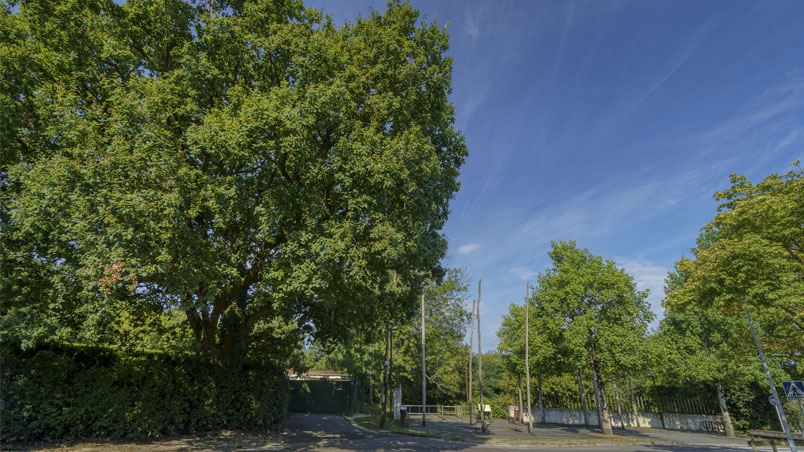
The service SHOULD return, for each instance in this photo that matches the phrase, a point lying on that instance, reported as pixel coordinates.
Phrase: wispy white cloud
(520, 273)
(468, 248)
(471, 22)
(648, 275)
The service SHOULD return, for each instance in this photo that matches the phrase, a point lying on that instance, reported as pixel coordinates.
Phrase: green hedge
(63, 392)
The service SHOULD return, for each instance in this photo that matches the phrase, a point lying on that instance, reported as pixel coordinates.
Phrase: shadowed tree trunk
(603, 409)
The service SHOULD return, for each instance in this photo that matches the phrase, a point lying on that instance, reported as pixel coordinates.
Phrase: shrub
(64, 391)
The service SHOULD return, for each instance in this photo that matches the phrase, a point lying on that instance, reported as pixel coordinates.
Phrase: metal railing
(441, 410)
(417, 409)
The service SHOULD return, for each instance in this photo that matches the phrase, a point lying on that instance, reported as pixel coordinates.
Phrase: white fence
(672, 421)
(441, 410)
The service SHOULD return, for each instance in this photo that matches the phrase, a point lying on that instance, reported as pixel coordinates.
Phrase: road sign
(794, 389)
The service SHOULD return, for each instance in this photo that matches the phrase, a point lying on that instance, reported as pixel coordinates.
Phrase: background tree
(756, 259)
(446, 321)
(545, 353)
(750, 255)
(594, 309)
(235, 162)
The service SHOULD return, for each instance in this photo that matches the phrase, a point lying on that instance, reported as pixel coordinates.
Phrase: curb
(349, 420)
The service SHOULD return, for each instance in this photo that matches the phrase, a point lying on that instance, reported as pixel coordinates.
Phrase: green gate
(321, 396)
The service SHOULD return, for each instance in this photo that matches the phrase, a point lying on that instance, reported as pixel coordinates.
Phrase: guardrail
(441, 410)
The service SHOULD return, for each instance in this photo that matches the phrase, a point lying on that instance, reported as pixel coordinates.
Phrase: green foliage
(235, 162)
(446, 320)
(749, 255)
(545, 353)
(592, 309)
(61, 391)
(754, 256)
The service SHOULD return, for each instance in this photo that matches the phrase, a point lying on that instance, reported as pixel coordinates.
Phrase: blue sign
(794, 389)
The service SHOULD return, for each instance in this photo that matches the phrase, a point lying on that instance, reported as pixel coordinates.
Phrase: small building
(319, 374)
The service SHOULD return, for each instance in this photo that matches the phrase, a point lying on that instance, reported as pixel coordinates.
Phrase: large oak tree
(237, 161)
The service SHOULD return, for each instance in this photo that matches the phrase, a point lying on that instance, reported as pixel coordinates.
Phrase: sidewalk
(500, 431)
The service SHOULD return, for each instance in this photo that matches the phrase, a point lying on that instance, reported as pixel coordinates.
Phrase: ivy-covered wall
(61, 391)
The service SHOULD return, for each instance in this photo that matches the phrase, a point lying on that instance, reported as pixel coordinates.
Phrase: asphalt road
(321, 432)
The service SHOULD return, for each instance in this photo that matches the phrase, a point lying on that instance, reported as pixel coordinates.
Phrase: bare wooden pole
(471, 352)
(480, 364)
(519, 388)
(527, 354)
(424, 372)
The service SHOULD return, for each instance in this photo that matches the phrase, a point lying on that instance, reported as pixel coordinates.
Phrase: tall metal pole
(385, 378)
(527, 354)
(424, 372)
(776, 399)
(471, 351)
(480, 364)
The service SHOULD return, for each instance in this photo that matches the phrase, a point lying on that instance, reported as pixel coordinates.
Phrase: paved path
(317, 432)
(328, 433)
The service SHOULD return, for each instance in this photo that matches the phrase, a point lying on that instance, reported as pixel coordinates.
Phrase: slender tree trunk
(480, 364)
(584, 407)
(600, 389)
(724, 409)
(721, 399)
(527, 354)
(471, 352)
(619, 405)
(633, 401)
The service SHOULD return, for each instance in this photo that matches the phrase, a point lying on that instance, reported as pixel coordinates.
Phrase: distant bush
(63, 392)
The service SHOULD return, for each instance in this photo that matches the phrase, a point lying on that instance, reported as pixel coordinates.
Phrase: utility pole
(424, 371)
(385, 378)
(527, 354)
(471, 351)
(480, 364)
(776, 399)
(391, 375)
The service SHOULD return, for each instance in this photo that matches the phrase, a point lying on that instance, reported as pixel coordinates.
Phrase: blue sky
(608, 123)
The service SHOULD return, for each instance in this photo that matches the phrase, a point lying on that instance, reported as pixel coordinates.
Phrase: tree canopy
(238, 162)
(753, 257)
(594, 310)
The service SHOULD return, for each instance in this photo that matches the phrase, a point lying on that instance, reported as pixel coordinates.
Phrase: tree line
(585, 313)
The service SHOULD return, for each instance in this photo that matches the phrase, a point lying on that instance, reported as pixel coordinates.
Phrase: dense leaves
(60, 391)
(586, 312)
(446, 321)
(755, 258)
(236, 162)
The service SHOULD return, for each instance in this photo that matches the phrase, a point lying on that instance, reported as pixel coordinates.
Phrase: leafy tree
(237, 162)
(756, 259)
(446, 320)
(594, 310)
